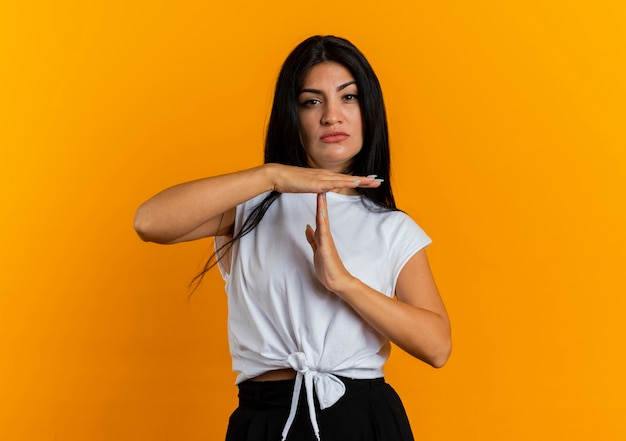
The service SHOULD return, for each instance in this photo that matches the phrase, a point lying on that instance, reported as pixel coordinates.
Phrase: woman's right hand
(292, 179)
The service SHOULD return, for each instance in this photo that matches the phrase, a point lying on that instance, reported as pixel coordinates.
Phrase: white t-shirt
(281, 316)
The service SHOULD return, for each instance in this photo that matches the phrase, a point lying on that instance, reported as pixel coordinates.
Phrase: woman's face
(330, 117)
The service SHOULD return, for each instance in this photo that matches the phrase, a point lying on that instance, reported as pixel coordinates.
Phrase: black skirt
(370, 410)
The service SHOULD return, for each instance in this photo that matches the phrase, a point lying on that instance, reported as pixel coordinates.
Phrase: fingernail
(308, 226)
(323, 214)
(371, 176)
(356, 181)
(379, 180)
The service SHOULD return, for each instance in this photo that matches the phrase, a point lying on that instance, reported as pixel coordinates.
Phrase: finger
(336, 184)
(322, 210)
(310, 237)
(323, 230)
(370, 181)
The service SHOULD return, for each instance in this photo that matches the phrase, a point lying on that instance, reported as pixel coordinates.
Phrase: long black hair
(284, 146)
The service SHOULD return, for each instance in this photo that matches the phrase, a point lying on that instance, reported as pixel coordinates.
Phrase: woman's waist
(276, 375)
(290, 374)
(280, 371)
(271, 363)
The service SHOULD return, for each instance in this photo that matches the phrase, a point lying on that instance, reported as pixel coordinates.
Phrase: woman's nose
(332, 114)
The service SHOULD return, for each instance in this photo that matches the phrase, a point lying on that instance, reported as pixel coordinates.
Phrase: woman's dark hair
(284, 146)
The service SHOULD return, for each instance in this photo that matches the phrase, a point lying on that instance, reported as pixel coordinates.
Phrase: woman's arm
(417, 321)
(206, 207)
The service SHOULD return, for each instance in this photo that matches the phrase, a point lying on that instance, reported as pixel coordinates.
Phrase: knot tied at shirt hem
(328, 388)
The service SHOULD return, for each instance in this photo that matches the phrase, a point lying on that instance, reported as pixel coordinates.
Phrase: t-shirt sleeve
(405, 240)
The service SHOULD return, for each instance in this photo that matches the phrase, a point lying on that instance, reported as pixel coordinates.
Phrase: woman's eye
(311, 102)
(350, 97)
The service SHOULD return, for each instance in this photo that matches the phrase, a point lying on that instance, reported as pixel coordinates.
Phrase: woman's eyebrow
(339, 88)
(343, 86)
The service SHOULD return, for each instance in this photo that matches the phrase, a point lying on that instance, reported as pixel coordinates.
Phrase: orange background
(508, 130)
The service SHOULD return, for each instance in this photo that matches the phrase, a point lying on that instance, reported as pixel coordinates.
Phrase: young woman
(322, 270)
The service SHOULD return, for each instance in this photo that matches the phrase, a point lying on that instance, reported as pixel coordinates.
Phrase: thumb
(310, 237)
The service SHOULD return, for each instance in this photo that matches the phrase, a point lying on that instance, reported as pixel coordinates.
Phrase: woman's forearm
(421, 332)
(201, 207)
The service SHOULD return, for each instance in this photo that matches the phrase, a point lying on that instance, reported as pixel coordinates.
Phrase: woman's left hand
(328, 265)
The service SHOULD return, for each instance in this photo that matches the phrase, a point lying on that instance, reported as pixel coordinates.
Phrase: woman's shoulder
(401, 219)
(400, 226)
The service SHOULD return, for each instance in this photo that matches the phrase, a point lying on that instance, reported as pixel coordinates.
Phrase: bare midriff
(276, 375)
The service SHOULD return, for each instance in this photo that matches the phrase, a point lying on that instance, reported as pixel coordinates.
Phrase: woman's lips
(330, 137)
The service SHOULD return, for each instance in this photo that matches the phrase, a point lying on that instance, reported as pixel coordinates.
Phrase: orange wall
(508, 134)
